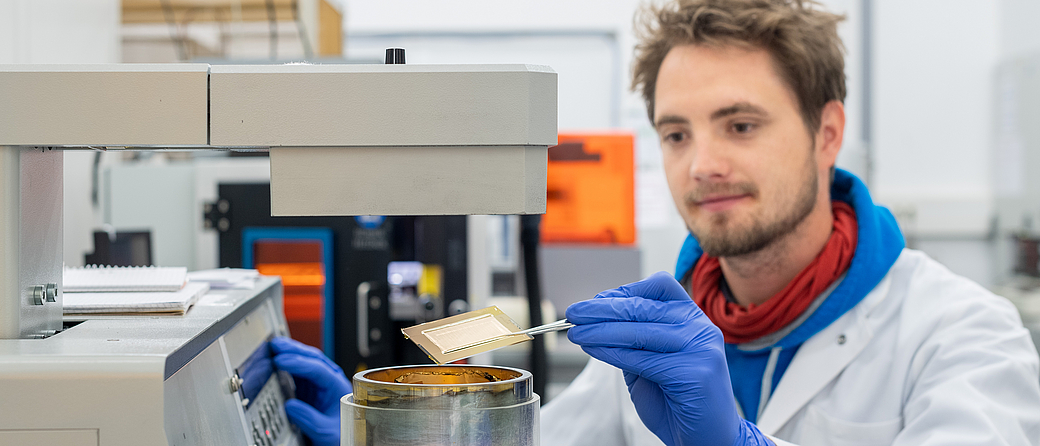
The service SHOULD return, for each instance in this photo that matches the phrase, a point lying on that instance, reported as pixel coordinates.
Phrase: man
(818, 326)
(809, 322)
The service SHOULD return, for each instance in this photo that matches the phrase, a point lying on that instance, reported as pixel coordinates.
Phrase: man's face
(739, 160)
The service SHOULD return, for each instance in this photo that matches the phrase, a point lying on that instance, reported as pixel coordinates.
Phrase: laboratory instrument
(457, 405)
(472, 138)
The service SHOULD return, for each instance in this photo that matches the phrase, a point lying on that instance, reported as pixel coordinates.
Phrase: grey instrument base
(146, 380)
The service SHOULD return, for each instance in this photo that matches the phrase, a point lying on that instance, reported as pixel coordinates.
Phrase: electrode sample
(468, 334)
(461, 336)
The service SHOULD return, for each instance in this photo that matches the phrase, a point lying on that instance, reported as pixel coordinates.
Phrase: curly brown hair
(801, 37)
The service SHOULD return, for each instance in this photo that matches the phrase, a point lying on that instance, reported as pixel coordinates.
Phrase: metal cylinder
(440, 405)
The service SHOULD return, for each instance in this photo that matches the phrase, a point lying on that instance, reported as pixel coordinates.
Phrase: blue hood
(878, 246)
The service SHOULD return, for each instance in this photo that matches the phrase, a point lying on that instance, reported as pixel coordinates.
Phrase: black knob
(395, 55)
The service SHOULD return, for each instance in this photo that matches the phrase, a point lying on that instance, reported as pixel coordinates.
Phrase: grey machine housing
(471, 139)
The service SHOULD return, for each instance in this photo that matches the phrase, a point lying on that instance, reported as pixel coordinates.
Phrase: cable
(529, 235)
(94, 183)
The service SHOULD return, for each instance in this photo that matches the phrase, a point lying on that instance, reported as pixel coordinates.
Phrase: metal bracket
(217, 215)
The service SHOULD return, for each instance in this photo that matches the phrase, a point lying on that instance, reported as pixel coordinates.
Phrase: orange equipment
(303, 281)
(590, 196)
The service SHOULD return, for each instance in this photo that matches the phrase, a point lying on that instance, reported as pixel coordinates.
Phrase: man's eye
(675, 137)
(743, 127)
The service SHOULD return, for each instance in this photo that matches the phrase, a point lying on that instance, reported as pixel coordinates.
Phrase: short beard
(718, 241)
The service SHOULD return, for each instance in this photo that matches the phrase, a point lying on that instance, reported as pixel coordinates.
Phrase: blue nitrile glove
(673, 358)
(320, 384)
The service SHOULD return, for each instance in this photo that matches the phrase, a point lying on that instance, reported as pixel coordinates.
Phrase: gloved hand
(673, 358)
(320, 384)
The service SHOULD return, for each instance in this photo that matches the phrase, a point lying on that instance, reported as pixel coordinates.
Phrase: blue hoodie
(878, 246)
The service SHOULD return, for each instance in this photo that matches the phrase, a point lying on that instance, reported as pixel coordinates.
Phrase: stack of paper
(107, 278)
(132, 290)
(226, 278)
(175, 302)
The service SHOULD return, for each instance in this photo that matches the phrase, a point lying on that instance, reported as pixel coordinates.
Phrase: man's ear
(831, 133)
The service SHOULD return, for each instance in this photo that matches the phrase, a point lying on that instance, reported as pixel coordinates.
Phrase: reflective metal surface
(441, 405)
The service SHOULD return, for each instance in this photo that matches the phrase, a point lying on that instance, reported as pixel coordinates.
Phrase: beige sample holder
(468, 334)
(442, 339)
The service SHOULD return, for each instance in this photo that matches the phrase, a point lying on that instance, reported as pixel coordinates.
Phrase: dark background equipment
(125, 248)
(357, 330)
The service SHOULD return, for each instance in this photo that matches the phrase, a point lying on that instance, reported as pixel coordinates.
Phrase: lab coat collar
(821, 358)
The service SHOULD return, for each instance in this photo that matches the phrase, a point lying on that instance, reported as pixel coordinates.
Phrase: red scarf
(739, 324)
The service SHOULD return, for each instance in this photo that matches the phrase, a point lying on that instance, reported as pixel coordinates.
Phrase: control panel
(260, 389)
(265, 415)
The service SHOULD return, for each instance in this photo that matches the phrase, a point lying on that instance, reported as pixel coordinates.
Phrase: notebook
(226, 278)
(123, 279)
(173, 302)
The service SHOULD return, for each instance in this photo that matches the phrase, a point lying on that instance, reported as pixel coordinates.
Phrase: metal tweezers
(561, 324)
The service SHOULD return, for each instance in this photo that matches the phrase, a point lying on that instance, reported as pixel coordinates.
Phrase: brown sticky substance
(443, 375)
(467, 377)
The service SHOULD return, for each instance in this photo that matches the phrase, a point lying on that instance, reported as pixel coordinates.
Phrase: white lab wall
(935, 63)
(932, 114)
(65, 31)
(1018, 31)
(855, 153)
(59, 31)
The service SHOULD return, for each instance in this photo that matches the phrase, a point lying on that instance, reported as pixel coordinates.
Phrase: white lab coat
(926, 358)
